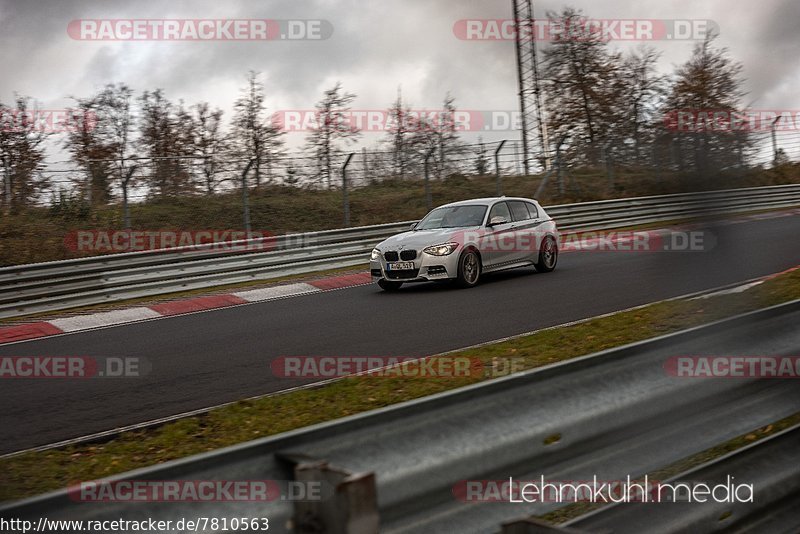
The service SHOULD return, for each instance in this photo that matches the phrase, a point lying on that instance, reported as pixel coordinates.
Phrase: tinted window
(500, 210)
(533, 209)
(519, 210)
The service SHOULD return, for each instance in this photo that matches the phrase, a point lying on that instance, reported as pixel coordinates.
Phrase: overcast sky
(375, 47)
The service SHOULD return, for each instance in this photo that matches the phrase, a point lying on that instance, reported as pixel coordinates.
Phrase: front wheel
(548, 255)
(386, 285)
(469, 269)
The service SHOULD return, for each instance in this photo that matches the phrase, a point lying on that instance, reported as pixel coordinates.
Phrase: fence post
(367, 178)
(609, 166)
(497, 168)
(655, 162)
(428, 200)
(126, 212)
(7, 184)
(345, 198)
(774, 142)
(245, 199)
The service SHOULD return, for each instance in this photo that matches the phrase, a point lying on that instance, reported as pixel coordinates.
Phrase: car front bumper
(426, 268)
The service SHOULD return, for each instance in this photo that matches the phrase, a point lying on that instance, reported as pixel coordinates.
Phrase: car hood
(419, 239)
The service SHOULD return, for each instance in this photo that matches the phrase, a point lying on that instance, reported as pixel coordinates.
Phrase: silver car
(463, 240)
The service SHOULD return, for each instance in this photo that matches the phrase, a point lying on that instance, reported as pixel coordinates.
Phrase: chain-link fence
(294, 192)
(223, 173)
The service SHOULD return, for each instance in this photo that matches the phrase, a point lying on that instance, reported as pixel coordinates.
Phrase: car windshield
(453, 217)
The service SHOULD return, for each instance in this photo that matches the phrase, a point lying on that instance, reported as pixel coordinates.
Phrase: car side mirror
(414, 226)
(497, 220)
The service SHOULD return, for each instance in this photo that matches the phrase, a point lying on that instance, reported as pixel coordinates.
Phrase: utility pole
(532, 111)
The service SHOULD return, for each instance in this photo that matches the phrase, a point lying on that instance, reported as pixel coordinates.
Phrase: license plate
(400, 266)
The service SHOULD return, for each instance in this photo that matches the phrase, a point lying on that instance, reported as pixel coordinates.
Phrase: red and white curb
(77, 323)
(744, 287)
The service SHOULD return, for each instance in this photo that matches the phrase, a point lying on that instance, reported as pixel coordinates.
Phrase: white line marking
(731, 291)
(269, 293)
(84, 322)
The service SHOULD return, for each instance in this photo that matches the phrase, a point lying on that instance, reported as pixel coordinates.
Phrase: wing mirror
(414, 226)
(497, 220)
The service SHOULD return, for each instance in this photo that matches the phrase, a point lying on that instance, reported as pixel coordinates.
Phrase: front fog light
(441, 250)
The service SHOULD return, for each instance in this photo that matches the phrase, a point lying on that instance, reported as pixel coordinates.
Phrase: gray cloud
(376, 47)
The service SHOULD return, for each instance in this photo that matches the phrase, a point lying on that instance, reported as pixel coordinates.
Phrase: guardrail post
(345, 198)
(245, 199)
(497, 168)
(351, 509)
(126, 211)
(428, 200)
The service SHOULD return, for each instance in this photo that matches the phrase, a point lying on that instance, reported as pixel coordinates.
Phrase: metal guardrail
(63, 284)
(772, 467)
(610, 414)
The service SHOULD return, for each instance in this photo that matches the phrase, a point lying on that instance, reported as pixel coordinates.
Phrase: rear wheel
(386, 285)
(469, 269)
(548, 255)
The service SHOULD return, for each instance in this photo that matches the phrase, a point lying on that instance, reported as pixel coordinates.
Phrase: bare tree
(580, 74)
(21, 154)
(165, 136)
(258, 139)
(709, 81)
(642, 94)
(401, 126)
(333, 125)
(90, 143)
(481, 160)
(209, 143)
(447, 136)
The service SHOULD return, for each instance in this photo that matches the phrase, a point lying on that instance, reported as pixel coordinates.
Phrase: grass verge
(36, 472)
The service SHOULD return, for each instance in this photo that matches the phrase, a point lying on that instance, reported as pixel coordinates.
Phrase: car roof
(484, 201)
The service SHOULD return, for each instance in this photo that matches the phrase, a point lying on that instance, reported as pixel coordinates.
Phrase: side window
(500, 210)
(533, 209)
(519, 210)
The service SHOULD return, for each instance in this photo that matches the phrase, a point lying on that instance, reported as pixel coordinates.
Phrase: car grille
(406, 273)
(405, 255)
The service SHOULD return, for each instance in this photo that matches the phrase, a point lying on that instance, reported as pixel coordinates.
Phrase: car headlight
(375, 254)
(441, 250)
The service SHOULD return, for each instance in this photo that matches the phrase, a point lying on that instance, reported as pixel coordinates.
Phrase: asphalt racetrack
(213, 357)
